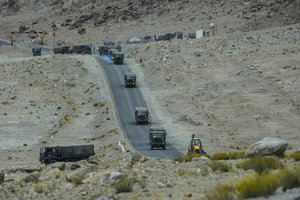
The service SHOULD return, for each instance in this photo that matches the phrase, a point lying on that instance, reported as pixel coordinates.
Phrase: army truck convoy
(157, 135)
(112, 50)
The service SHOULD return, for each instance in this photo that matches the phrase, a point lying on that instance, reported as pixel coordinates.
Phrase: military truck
(157, 137)
(65, 153)
(130, 79)
(37, 51)
(86, 49)
(141, 115)
(118, 57)
(111, 51)
(102, 50)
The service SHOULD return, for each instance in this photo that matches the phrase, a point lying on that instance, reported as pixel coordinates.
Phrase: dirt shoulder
(52, 100)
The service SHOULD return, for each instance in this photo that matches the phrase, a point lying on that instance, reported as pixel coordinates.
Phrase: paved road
(126, 99)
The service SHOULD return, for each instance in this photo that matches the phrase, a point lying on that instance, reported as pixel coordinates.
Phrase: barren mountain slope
(122, 20)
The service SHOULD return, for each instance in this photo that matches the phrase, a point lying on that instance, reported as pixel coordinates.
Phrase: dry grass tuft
(290, 178)
(189, 156)
(220, 166)
(295, 156)
(257, 185)
(219, 156)
(124, 184)
(237, 155)
(260, 164)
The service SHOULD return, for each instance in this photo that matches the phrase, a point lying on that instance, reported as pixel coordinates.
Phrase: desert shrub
(143, 182)
(290, 178)
(223, 191)
(219, 156)
(257, 185)
(181, 172)
(204, 171)
(124, 184)
(78, 178)
(260, 164)
(189, 156)
(295, 156)
(220, 166)
(279, 152)
(237, 155)
(39, 188)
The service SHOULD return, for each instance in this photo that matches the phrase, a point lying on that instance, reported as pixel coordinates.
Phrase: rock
(81, 31)
(75, 166)
(267, 146)
(115, 175)
(135, 158)
(2, 177)
(102, 197)
(28, 169)
(188, 194)
(60, 166)
(32, 176)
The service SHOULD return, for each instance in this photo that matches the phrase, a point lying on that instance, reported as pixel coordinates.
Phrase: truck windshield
(142, 112)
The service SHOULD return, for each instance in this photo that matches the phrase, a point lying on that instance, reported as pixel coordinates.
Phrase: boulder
(267, 146)
(32, 177)
(115, 175)
(60, 166)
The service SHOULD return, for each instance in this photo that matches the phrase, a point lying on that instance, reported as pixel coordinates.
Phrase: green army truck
(157, 137)
(141, 115)
(65, 153)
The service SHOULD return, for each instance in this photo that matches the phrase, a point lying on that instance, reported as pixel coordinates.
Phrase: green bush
(220, 166)
(260, 164)
(223, 191)
(295, 156)
(124, 184)
(237, 155)
(257, 186)
(290, 178)
(219, 156)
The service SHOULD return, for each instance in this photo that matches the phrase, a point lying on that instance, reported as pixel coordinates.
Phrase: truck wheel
(151, 147)
(164, 147)
(52, 161)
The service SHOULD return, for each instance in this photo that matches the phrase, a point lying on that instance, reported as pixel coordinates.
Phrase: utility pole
(54, 28)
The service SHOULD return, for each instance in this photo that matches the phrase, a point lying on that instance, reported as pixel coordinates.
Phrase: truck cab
(141, 115)
(157, 137)
(37, 51)
(130, 80)
(118, 57)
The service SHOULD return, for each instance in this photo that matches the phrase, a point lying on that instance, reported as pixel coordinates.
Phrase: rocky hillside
(124, 18)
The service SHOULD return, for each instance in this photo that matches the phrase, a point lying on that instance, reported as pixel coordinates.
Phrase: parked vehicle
(65, 153)
(130, 79)
(157, 137)
(141, 115)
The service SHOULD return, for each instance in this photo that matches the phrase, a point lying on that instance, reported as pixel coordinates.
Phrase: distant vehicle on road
(130, 79)
(157, 137)
(65, 153)
(37, 51)
(118, 57)
(141, 115)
